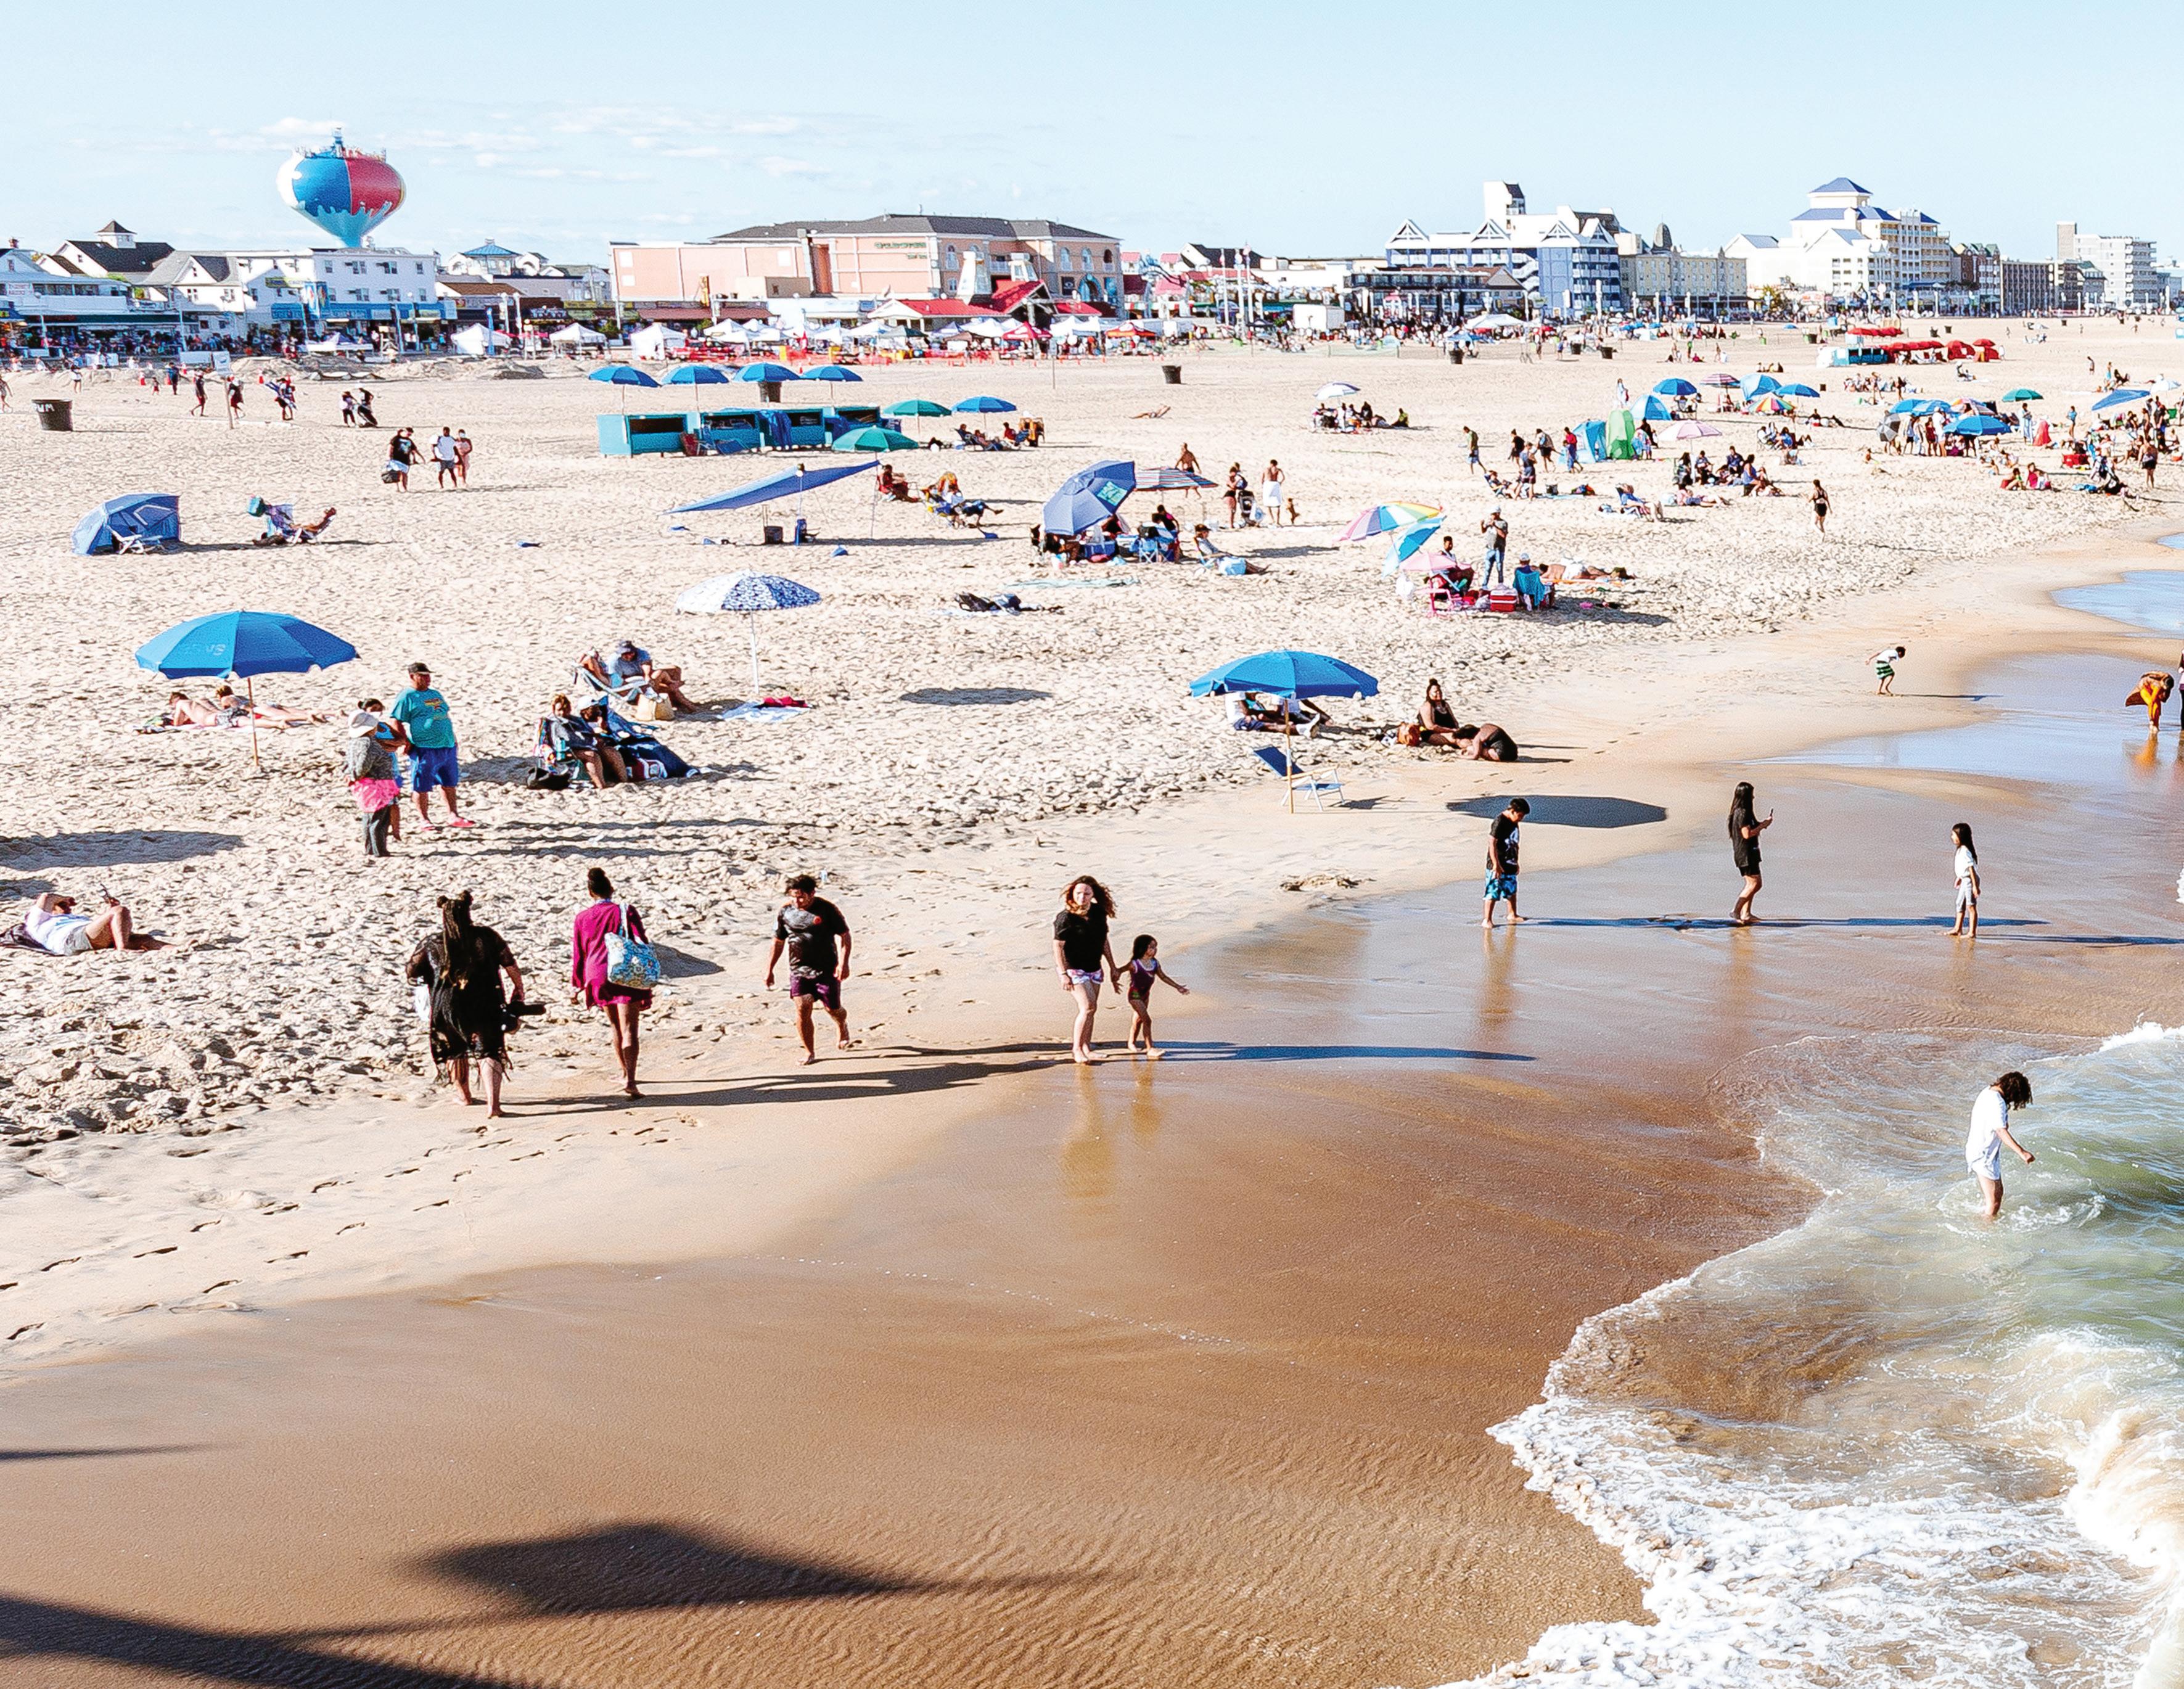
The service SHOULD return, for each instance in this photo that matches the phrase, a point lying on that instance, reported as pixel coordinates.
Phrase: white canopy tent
(656, 341)
(480, 341)
(576, 334)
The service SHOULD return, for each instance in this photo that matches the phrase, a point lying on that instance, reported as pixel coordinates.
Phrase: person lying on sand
(1248, 714)
(234, 710)
(185, 711)
(53, 923)
(1486, 743)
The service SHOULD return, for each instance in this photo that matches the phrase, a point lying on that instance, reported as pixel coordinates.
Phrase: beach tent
(656, 341)
(729, 330)
(1659, 409)
(1592, 441)
(479, 341)
(146, 518)
(576, 334)
(1622, 430)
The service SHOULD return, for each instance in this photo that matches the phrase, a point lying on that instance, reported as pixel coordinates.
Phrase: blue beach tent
(152, 518)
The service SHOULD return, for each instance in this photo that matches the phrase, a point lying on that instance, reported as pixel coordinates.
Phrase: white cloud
(791, 167)
(486, 161)
(766, 125)
(301, 128)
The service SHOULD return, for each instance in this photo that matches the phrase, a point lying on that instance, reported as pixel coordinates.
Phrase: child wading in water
(1968, 881)
(1143, 969)
(1884, 669)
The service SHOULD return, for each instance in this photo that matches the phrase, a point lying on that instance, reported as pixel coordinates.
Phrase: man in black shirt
(807, 926)
(1501, 861)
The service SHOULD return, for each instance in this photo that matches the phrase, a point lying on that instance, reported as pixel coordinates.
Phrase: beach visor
(155, 518)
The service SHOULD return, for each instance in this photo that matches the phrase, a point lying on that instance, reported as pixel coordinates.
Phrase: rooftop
(918, 223)
(1841, 185)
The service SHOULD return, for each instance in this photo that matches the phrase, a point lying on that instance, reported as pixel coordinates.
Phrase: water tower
(346, 193)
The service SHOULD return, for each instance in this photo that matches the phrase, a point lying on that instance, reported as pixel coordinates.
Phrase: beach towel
(762, 712)
(1057, 586)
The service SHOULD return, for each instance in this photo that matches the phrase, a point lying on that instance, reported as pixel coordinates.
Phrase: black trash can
(1172, 374)
(771, 533)
(1608, 351)
(1456, 355)
(56, 415)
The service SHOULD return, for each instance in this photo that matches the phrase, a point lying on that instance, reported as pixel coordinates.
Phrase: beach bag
(1409, 733)
(631, 962)
(389, 476)
(547, 780)
(652, 709)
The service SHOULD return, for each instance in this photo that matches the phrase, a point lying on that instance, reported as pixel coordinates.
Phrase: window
(1062, 257)
(948, 259)
(1087, 256)
(1108, 256)
(385, 268)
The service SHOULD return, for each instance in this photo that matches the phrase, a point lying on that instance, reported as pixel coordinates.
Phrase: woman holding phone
(1744, 828)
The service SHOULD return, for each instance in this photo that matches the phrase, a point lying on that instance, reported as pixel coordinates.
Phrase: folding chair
(1282, 761)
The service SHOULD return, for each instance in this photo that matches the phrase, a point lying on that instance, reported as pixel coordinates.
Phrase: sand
(954, 773)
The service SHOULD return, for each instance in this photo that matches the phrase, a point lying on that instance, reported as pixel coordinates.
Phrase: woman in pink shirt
(587, 972)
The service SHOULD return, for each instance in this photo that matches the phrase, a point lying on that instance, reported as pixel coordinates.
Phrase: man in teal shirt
(432, 761)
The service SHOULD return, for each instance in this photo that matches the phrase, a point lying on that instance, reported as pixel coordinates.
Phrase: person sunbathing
(236, 712)
(570, 734)
(1247, 713)
(52, 924)
(185, 711)
(634, 671)
(281, 528)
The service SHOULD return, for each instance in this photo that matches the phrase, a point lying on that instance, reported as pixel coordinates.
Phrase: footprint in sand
(202, 1225)
(65, 1260)
(231, 1199)
(353, 1225)
(222, 1285)
(35, 1325)
(164, 1249)
(293, 1255)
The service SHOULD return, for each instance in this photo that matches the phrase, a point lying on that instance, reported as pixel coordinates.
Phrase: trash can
(1456, 355)
(1608, 351)
(56, 415)
(771, 533)
(1172, 374)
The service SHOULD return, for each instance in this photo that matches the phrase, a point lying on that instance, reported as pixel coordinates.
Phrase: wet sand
(1176, 1376)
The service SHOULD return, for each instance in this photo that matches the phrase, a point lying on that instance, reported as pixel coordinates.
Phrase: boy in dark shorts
(807, 928)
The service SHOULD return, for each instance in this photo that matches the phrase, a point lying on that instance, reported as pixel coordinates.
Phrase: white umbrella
(1693, 431)
(1333, 391)
(746, 595)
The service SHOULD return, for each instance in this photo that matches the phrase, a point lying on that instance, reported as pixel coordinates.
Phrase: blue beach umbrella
(621, 376)
(1976, 423)
(1760, 386)
(699, 374)
(788, 483)
(1288, 674)
(2121, 396)
(830, 372)
(242, 643)
(1676, 387)
(985, 403)
(1798, 390)
(770, 373)
(151, 517)
(748, 596)
(1088, 498)
(1406, 543)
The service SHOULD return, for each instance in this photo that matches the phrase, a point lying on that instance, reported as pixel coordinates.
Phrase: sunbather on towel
(185, 711)
(52, 922)
(233, 710)
(1255, 712)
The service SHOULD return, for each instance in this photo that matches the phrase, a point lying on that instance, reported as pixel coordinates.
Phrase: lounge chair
(1282, 761)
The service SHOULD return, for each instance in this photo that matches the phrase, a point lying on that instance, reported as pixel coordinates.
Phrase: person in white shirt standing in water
(1990, 1131)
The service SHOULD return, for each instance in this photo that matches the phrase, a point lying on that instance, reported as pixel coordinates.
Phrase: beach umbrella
(2161, 384)
(621, 376)
(699, 374)
(1406, 543)
(984, 404)
(1904, 407)
(2121, 396)
(1692, 429)
(788, 483)
(1721, 378)
(830, 372)
(1333, 391)
(1494, 320)
(1976, 423)
(2017, 394)
(1768, 405)
(1088, 498)
(1676, 387)
(1760, 386)
(747, 595)
(155, 518)
(913, 407)
(871, 439)
(1798, 390)
(1171, 481)
(769, 376)
(1287, 674)
(1376, 519)
(242, 643)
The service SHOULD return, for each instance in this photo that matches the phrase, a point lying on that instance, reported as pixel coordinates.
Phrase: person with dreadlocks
(460, 966)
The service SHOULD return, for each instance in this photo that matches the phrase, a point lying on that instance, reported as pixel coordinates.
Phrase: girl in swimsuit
(1144, 968)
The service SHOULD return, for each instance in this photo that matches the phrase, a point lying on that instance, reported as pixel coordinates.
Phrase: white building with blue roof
(1566, 260)
(1844, 246)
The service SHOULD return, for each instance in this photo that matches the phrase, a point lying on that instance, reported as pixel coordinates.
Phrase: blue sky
(1301, 128)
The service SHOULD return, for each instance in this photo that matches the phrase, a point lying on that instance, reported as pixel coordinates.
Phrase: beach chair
(1282, 761)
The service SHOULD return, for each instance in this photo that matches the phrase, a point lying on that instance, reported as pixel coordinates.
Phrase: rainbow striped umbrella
(1377, 519)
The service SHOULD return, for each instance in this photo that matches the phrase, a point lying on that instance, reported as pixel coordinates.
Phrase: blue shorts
(1500, 886)
(438, 766)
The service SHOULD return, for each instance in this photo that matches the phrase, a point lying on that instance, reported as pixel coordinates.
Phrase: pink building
(898, 255)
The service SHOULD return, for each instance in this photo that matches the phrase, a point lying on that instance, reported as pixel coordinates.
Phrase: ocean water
(1900, 1444)
(1967, 1466)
